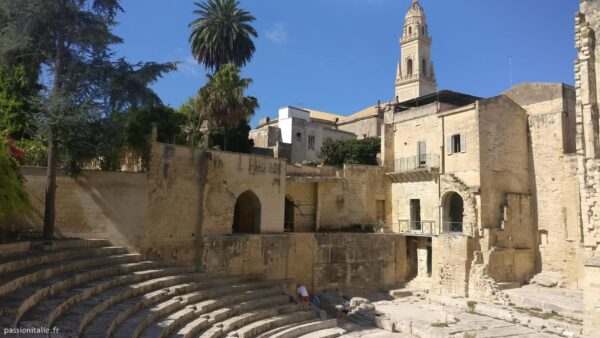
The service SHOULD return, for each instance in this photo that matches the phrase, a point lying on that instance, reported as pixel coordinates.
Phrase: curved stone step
(257, 328)
(33, 258)
(327, 333)
(202, 322)
(305, 328)
(98, 288)
(120, 324)
(98, 319)
(221, 328)
(14, 249)
(10, 282)
(225, 298)
(66, 285)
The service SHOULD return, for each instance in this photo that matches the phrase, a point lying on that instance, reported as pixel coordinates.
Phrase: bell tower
(415, 75)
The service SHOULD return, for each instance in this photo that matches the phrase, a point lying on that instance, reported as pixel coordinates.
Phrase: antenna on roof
(510, 79)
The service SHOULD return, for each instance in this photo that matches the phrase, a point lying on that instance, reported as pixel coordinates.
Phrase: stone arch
(247, 213)
(409, 67)
(450, 183)
(453, 212)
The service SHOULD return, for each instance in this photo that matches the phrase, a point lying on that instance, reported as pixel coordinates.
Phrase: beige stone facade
(473, 195)
(588, 151)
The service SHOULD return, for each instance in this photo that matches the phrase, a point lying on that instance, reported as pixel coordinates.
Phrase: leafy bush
(35, 152)
(13, 197)
(139, 128)
(340, 152)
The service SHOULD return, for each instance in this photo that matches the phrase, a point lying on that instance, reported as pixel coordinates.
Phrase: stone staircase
(89, 288)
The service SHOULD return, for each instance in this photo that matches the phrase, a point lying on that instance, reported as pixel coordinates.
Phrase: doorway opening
(246, 215)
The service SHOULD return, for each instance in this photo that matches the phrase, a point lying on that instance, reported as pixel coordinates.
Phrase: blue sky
(340, 55)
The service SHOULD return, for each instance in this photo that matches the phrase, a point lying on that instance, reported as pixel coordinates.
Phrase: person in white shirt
(303, 297)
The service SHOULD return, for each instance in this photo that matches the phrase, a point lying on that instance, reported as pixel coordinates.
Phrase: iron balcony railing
(432, 228)
(424, 161)
(417, 227)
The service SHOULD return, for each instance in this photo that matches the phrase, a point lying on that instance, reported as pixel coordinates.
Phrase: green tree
(139, 127)
(340, 152)
(18, 93)
(13, 197)
(72, 39)
(237, 139)
(194, 121)
(222, 100)
(222, 34)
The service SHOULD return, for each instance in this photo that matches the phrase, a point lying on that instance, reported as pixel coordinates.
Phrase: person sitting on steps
(303, 297)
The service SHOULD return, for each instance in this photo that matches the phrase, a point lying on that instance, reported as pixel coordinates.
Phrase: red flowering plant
(15, 152)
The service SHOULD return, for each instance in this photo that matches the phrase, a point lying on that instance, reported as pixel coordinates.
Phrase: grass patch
(439, 325)
(471, 305)
(537, 312)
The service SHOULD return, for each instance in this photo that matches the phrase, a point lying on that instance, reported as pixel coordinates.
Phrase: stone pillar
(422, 261)
(591, 297)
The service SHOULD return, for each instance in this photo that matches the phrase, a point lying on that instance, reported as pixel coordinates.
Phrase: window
(423, 30)
(421, 154)
(424, 67)
(299, 136)
(457, 144)
(409, 67)
(311, 142)
(409, 30)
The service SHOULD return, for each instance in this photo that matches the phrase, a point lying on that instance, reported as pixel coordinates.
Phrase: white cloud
(278, 34)
(190, 66)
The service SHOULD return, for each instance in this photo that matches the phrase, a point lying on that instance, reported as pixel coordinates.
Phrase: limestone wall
(193, 192)
(504, 155)
(452, 256)
(320, 261)
(97, 204)
(509, 251)
(353, 199)
(426, 192)
(588, 149)
(363, 127)
(464, 165)
(304, 196)
(551, 122)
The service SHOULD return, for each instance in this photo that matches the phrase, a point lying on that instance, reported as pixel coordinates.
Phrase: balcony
(417, 228)
(419, 168)
(431, 228)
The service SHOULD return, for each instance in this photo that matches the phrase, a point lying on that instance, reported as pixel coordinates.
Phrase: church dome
(415, 10)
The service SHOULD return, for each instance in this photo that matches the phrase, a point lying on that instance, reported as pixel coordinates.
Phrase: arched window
(453, 213)
(424, 67)
(246, 215)
(409, 30)
(409, 67)
(422, 30)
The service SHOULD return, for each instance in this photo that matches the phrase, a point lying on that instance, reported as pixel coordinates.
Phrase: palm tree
(222, 34)
(222, 99)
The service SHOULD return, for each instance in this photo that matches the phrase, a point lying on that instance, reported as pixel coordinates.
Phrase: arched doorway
(453, 213)
(289, 215)
(246, 215)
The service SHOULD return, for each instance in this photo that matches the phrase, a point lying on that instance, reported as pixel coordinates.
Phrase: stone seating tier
(89, 288)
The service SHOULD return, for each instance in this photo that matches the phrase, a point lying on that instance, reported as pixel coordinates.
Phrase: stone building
(296, 135)
(588, 155)
(476, 194)
(415, 75)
